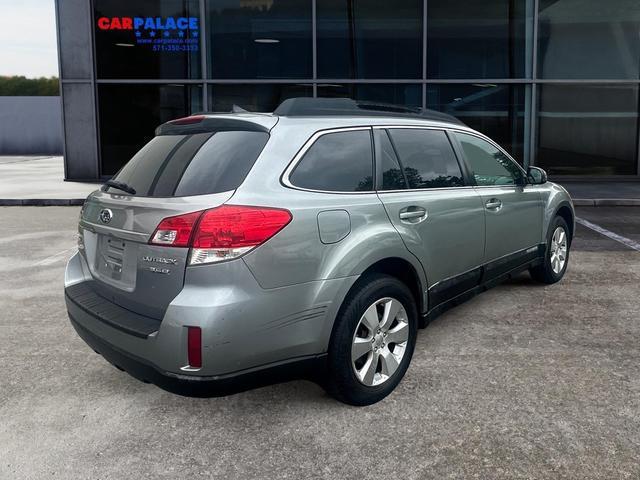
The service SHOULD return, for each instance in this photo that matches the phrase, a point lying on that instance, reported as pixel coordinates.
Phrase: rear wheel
(373, 341)
(556, 256)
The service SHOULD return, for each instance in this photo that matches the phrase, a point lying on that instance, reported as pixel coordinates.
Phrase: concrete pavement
(39, 181)
(523, 381)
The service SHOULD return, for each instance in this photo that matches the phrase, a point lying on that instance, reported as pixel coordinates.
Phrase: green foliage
(22, 86)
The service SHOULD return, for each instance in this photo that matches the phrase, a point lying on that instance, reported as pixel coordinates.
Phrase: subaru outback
(317, 238)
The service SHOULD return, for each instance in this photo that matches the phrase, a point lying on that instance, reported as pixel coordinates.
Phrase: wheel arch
(401, 268)
(565, 211)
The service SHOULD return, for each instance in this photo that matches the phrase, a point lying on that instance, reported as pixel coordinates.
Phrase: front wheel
(556, 256)
(372, 341)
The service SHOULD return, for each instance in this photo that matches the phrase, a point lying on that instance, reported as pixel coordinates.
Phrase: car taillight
(175, 231)
(222, 233)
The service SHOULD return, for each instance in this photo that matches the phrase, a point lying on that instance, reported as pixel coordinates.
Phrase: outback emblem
(106, 215)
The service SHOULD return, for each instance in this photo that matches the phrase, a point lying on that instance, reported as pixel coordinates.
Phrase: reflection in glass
(409, 95)
(129, 115)
(498, 111)
(489, 165)
(392, 176)
(338, 162)
(259, 38)
(588, 129)
(255, 98)
(589, 39)
(472, 39)
(142, 51)
(427, 158)
(369, 39)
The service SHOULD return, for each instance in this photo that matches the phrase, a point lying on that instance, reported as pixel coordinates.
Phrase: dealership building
(553, 81)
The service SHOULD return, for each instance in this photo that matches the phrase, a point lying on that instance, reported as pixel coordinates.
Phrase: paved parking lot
(524, 381)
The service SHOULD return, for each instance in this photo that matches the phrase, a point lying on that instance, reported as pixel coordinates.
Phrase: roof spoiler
(199, 123)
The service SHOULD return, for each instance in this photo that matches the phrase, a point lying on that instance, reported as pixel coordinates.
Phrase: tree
(22, 86)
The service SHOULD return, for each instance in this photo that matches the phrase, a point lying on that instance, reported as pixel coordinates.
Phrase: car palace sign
(162, 34)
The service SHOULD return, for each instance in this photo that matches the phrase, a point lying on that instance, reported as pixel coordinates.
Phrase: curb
(41, 202)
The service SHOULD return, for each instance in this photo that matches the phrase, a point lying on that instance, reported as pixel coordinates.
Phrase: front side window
(489, 165)
(427, 158)
(337, 162)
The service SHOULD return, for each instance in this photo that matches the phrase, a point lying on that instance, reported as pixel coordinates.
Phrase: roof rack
(308, 107)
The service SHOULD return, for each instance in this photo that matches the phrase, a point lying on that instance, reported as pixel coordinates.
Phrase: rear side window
(427, 158)
(337, 162)
(196, 164)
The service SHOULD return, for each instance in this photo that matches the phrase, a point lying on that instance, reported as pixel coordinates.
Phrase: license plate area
(116, 261)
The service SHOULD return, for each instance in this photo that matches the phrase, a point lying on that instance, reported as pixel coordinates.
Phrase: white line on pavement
(54, 258)
(612, 235)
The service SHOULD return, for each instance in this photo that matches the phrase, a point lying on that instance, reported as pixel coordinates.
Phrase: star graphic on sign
(152, 33)
(166, 33)
(138, 33)
(194, 34)
(181, 33)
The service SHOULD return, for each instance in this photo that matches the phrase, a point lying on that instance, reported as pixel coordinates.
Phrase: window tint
(339, 162)
(369, 39)
(427, 158)
(259, 39)
(184, 165)
(489, 165)
(392, 176)
(137, 51)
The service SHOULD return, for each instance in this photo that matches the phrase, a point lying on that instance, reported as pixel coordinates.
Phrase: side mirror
(536, 176)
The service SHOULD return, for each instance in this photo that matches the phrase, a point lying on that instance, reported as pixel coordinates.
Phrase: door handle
(493, 204)
(413, 213)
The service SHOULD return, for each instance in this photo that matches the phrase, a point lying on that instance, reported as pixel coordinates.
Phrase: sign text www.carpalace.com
(161, 34)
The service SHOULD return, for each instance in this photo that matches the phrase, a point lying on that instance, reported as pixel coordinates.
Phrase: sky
(28, 44)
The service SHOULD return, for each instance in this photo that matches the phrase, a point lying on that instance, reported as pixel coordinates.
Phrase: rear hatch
(187, 167)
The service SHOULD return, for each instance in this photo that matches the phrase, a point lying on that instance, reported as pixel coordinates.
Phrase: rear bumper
(201, 386)
(245, 329)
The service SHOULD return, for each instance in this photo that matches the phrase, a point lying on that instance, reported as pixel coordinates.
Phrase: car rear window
(195, 164)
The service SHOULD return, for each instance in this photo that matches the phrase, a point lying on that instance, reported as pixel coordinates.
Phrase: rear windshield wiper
(119, 185)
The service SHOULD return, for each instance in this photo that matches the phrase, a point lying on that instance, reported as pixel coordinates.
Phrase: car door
(429, 201)
(512, 209)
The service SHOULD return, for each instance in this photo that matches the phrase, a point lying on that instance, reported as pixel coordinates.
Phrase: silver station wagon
(241, 249)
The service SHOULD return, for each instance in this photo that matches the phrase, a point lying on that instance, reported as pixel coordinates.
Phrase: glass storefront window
(590, 39)
(129, 115)
(146, 40)
(498, 111)
(259, 39)
(369, 39)
(471, 39)
(409, 95)
(588, 129)
(255, 98)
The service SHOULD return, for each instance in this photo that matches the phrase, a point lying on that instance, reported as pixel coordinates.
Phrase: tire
(352, 381)
(549, 271)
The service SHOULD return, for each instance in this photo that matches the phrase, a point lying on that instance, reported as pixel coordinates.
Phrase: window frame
(467, 176)
(460, 150)
(285, 177)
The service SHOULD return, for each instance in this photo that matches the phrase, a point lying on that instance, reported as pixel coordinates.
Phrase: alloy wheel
(558, 252)
(380, 341)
